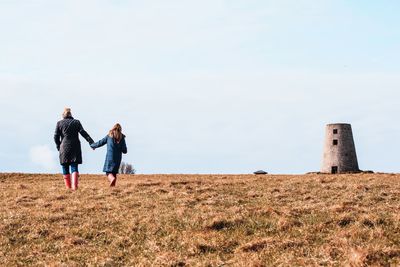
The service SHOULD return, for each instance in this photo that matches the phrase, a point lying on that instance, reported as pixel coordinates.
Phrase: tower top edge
(338, 124)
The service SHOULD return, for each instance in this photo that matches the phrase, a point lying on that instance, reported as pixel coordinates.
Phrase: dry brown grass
(201, 220)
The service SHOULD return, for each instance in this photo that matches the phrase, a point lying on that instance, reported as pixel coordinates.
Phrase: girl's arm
(123, 145)
(100, 143)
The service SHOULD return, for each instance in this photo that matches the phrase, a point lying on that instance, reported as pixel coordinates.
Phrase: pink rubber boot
(75, 180)
(67, 180)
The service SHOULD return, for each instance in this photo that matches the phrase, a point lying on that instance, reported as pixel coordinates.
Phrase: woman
(67, 140)
(116, 146)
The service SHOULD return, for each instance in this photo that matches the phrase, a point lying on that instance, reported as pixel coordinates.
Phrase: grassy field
(201, 220)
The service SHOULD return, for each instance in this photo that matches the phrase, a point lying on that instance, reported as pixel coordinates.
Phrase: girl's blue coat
(114, 153)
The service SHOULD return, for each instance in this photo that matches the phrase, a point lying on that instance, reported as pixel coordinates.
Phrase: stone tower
(339, 150)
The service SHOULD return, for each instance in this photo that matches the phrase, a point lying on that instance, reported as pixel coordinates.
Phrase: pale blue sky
(201, 86)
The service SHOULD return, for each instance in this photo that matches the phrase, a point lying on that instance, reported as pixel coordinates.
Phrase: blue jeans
(65, 168)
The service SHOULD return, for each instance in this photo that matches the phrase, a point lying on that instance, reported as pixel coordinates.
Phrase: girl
(116, 145)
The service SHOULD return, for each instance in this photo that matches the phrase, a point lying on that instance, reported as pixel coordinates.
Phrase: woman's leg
(67, 176)
(75, 176)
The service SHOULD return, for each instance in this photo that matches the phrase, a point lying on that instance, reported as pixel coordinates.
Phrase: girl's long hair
(116, 133)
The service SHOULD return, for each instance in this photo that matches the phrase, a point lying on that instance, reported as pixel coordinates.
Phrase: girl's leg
(67, 176)
(75, 176)
(111, 178)
(113, 183)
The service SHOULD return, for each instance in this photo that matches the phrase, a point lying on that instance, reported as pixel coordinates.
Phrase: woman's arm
(57, 137)
(100, 143)
(85, 134)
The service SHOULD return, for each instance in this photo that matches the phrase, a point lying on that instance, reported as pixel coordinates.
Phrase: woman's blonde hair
(116, 133)
(67, 113)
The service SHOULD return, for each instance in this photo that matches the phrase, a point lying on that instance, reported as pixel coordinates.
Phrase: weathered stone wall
(341, 153)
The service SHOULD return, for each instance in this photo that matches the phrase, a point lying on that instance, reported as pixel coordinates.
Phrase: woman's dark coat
(66, 138)
(114, 153)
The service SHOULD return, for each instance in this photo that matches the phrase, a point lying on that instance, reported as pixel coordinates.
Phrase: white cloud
(43, 156)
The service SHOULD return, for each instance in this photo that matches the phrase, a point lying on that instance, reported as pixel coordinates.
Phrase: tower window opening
(335, 142)
(334, 170)
(335, 131)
